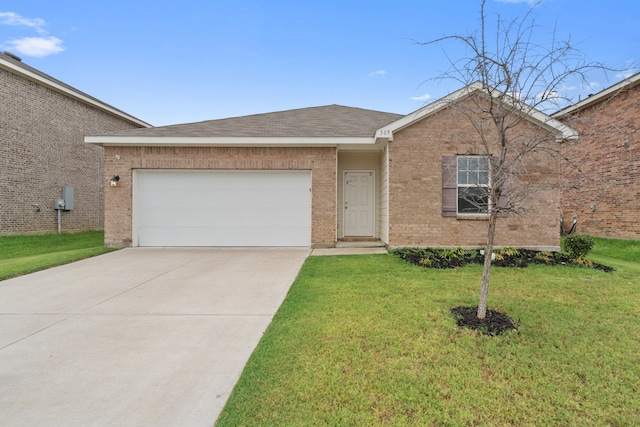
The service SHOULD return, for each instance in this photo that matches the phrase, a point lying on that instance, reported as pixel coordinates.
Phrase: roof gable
(562, 131)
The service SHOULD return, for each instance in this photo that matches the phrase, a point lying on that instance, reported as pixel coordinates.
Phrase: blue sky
(171, 62)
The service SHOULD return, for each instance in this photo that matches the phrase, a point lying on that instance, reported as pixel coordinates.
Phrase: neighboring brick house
(43, 123)
(601, 186)
(316, 176)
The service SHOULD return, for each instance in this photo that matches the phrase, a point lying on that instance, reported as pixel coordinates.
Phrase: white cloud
(11, 18)
(37, 46)
(378, 73)
(423, 98)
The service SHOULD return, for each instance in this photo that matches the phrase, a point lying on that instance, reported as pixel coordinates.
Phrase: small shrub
(462, 252)
(454, 253)
(448, 254)
(426, 262)
(508, 252)
(583, 261)
(544, 257)
(578, 245)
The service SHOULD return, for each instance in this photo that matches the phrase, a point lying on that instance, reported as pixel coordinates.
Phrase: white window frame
(475, 184)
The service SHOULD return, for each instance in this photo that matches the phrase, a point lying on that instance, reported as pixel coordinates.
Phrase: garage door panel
(223, 208)
(167, 198)
(225, 236)
(204, 217)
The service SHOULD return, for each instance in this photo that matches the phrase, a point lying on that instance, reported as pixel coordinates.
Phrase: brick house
(43, 123)
(602, 181)
(316, 176)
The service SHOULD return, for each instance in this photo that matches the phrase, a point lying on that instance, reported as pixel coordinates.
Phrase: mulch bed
(494, 323)
(442, 258)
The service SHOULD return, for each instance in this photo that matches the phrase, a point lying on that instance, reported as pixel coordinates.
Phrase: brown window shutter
(449, 186)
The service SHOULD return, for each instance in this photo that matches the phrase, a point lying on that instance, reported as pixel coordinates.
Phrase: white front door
(359, 204)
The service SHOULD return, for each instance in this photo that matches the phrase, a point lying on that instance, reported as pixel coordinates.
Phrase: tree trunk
(486, 271)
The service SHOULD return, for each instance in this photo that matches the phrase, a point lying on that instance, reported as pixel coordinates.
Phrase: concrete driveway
(137, 337)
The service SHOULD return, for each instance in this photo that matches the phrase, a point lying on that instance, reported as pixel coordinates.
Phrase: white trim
(563, 131)
(175, 141)
(593, 99)
(385, 174)
(135, 197)
(337, 181)
(29, 75)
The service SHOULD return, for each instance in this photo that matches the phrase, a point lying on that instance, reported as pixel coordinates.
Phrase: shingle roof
(329, 121)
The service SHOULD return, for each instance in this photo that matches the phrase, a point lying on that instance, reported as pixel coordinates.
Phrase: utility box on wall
(58, 204)
(66, 203)
(67, 197)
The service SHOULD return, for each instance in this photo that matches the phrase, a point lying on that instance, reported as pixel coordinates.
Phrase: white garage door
(222, 208)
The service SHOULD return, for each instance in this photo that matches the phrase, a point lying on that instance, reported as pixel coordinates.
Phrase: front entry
(359, 204)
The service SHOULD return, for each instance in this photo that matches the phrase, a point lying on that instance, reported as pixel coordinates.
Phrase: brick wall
(41, 149)
(604, 169)
(123, 161)
(415, 185)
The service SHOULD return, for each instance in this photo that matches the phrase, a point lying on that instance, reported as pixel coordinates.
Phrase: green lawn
(621, 254)
(26, 254)
(369, 340)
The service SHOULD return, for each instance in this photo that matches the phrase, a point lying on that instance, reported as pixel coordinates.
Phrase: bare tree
(518, 79)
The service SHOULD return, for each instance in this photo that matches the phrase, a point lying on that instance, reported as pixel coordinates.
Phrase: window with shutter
(473, 184)
(465, 186)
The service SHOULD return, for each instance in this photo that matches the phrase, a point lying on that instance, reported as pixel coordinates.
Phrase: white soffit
(227, 141)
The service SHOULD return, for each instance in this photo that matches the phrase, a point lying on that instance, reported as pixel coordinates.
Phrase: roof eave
(143, 141)
(563, 132)
(598, 97)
